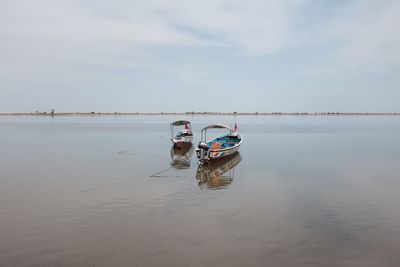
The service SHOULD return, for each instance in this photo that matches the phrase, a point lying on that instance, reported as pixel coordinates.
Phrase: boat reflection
(218, 174)
(180, 156)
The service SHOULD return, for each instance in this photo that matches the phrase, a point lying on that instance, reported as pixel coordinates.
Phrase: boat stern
(202, 152)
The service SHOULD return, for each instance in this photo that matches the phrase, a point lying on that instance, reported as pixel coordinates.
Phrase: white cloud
(368, 30)
(257, 27)
(188, 44)
(369, 33)
(76, 40)
(63, 21)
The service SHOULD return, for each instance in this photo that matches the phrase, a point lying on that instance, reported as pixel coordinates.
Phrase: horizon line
(234, 113)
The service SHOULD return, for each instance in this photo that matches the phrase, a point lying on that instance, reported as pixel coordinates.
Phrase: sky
(209, 55)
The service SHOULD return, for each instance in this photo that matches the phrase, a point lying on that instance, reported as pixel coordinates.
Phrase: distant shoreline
(201, 113)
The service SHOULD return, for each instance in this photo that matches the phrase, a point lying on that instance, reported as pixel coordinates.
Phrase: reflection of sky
(307, 191)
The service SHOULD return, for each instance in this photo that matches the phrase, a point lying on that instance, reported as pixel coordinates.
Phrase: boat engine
(203, 145)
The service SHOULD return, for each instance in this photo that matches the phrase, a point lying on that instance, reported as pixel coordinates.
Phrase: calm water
(108, 191)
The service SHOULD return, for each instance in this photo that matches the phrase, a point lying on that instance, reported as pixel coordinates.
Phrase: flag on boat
(235, 128)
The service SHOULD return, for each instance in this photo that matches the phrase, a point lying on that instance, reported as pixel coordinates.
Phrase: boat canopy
(217, 126)
(179, 123)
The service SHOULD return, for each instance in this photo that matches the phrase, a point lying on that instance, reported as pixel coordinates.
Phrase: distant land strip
(52, 113)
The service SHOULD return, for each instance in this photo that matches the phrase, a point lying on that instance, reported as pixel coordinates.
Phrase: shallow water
(108, 191)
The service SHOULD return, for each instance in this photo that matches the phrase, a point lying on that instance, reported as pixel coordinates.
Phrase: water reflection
(218, 174)
(180, 156)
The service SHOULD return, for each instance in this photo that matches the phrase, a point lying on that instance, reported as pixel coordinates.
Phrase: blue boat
(218, 147)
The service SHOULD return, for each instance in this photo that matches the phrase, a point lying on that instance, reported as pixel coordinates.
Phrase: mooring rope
(157, 174)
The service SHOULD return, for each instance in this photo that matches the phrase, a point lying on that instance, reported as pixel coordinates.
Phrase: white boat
(218, 147)
(183, 136)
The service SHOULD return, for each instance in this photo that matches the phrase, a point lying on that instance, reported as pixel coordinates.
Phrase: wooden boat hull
(205, 154)
(212, 154)
(182, 140)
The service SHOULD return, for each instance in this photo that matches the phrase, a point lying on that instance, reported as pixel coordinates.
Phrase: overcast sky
(209, 55)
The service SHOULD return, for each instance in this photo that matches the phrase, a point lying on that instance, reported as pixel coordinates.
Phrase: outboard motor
(202, 151)
(203, 145)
